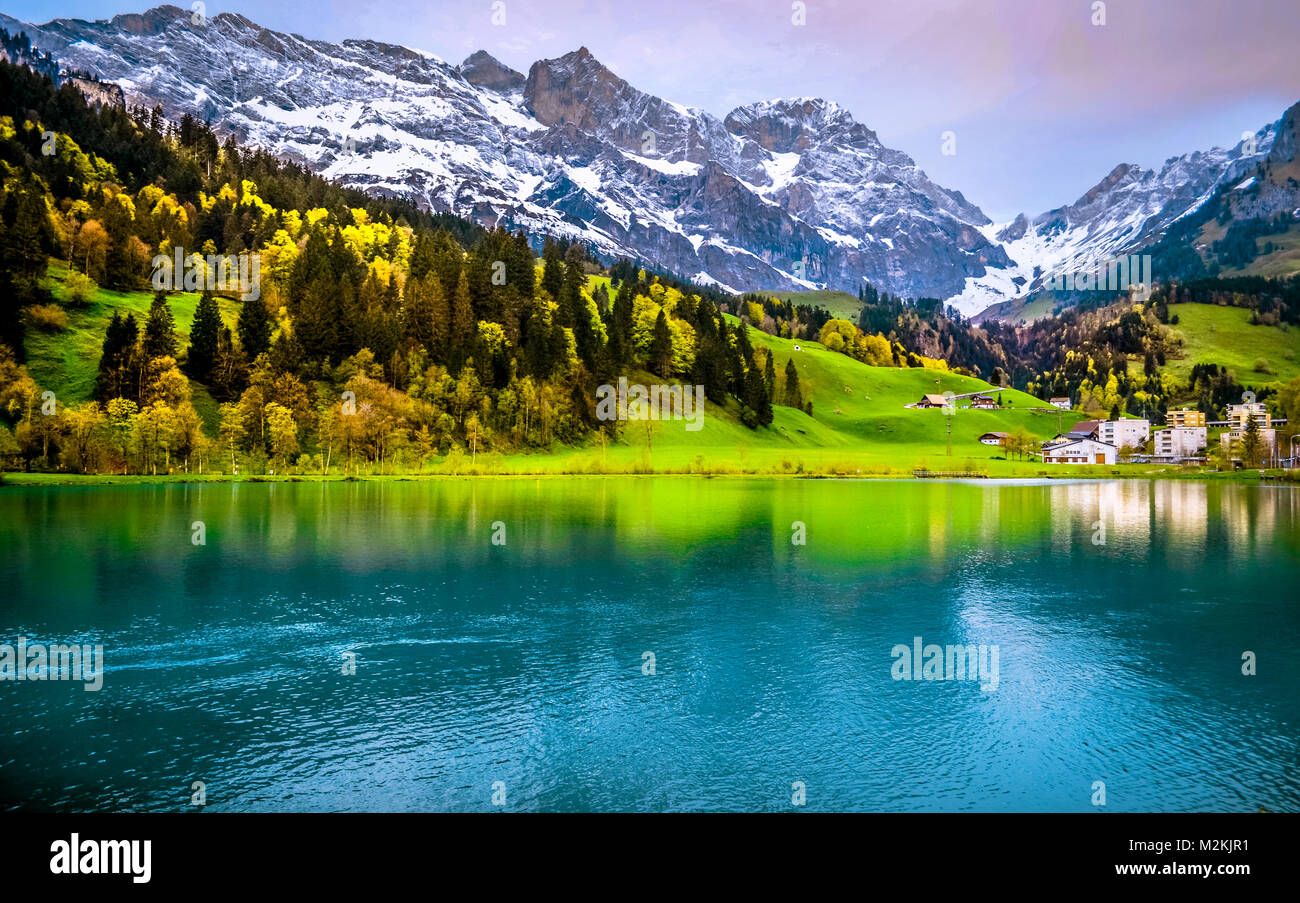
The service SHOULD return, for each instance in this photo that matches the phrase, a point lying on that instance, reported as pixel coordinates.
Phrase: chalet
(1062, 403)
(1084, 429)
(983, 402)
(1079, 451)
(994, 438)
(931, 401)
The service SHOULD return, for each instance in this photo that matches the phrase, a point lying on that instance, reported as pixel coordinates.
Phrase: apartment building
(1186, 417)
(1241, 414)
(1177, 443)
(1124, 433)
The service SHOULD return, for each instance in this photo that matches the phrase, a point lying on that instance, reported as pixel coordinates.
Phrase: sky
(1022, 105)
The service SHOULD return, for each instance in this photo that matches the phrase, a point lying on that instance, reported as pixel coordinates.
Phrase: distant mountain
(1129, 211)
(780, 195)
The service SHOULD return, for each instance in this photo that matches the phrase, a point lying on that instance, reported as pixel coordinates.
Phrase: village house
(994, 438)
(1062, 403)
(1084, 429)
(1079, 451)
(931, 401)
(1267, 440)
(983, 402)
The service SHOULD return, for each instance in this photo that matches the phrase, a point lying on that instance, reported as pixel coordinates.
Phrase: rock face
(101, 93)
(781, 194)
(486, 71)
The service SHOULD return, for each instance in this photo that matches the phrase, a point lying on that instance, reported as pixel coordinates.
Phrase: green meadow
(1224, 336)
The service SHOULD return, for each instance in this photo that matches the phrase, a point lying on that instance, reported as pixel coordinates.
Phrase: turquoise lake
(504, 632)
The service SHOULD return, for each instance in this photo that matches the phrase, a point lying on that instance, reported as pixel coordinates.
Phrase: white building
(1124, 433)
(1178, 442)
(1267, 441)
(1062, 403)
(1080, 451)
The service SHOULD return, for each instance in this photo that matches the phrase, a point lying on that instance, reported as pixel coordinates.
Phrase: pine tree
(112, 380)
(521, 267)
(1250, 442)
(661, 348)
(159, 329)
(25, 243)
(553, 269)
(204, 335)
(623, 312)
(793, 394)
(316, 322)
(757, 397)
(254, 328)
(440, 318)
(462, 324)
(573, 307)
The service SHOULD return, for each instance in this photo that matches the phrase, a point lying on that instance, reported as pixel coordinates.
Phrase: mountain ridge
(783, 194)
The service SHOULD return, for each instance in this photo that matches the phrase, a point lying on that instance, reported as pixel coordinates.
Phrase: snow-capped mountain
(1127, 211)
(781, 194)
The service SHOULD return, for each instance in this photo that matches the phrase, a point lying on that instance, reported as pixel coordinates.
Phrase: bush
(1262, 365)
(79, 289)
(47, 317)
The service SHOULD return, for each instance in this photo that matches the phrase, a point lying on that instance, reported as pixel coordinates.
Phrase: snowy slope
(782, 194)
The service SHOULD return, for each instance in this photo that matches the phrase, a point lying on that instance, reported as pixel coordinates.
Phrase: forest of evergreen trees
(383, 334)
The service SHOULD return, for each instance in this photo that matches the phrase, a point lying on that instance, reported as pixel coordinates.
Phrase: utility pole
(949, 405)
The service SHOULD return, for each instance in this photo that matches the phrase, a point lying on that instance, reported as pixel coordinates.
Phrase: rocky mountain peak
(1014, 230)
(576, 88)
(486, 71)
(1287, 137)
(793, 126)
(150, 22)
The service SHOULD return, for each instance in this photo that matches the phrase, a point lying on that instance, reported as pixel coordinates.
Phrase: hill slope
(1225, 336)
(860, 422)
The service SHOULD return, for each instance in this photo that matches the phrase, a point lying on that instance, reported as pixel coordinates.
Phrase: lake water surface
(1121, 611)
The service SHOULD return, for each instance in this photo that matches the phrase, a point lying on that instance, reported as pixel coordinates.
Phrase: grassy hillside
(860, 425)
(860, 422)
(67, 361)
(1224, 336)
(840, 304)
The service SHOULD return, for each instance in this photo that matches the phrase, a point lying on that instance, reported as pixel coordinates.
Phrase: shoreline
(25, 479)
